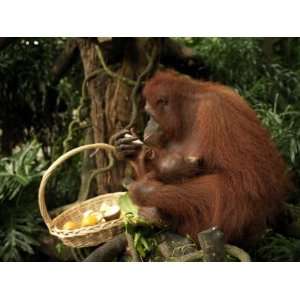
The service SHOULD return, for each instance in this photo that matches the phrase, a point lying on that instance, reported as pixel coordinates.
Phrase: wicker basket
(84, 236)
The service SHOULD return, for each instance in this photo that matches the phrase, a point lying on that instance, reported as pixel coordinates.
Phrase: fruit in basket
(90, 218)
(112, 212)
(104, 207)
(70, 225)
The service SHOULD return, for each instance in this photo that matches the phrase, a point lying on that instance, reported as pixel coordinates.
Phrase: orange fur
(243, 181)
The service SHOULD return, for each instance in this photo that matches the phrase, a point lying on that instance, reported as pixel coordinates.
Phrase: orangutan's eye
(162, 101)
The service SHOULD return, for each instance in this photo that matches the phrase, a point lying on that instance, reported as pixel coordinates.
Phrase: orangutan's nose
(147, 108)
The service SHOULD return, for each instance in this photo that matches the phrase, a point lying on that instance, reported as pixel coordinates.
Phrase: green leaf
(127, 206)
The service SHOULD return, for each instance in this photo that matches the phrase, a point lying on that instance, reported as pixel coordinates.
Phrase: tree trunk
(110, 101)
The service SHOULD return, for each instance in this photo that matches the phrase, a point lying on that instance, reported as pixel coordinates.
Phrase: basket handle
(50, 170)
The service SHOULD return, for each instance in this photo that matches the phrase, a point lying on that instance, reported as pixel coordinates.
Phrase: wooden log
(110, 250)
(52, 247)
(212, 244)
(171, 245)
(191, 257)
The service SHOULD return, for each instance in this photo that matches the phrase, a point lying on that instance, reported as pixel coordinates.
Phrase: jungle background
(59, 93)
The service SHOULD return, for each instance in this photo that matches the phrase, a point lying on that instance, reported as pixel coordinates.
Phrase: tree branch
(65, 60)
(238, 253)
(175, 50)
(184, 59)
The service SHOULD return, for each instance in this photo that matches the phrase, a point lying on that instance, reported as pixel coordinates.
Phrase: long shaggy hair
(244, 180)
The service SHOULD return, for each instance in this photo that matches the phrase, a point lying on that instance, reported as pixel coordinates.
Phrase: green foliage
(243, 64)
(233, 61)
(19, 171)
(19, 216)
(17, 235)
(28, 95)
(34, 107)
(276, 247)
(143, 233)
(128, 208)
(285, 128)
(25, 79)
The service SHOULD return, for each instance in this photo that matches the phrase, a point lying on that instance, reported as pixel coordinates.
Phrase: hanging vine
(81, 112)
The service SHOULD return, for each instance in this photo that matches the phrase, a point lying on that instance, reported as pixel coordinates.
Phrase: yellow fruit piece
(89, 220)
(70, 225)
